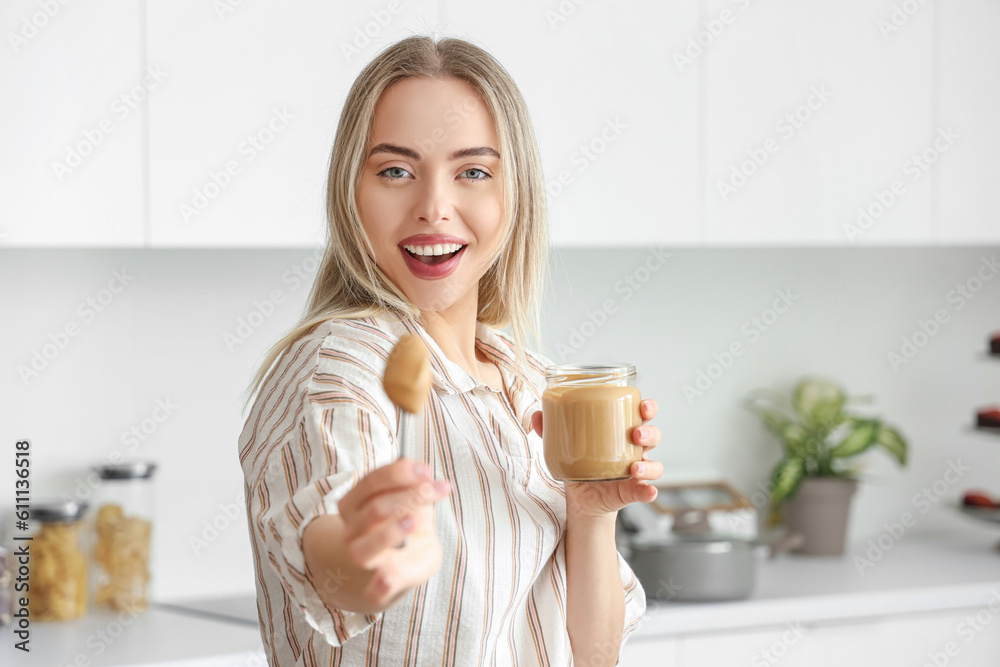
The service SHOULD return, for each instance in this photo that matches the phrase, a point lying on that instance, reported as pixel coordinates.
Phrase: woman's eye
(481, 177)
(394, 173)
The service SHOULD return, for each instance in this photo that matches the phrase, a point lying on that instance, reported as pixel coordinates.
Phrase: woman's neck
(454, 330)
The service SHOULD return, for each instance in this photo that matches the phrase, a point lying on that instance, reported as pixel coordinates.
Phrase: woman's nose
(434, 200)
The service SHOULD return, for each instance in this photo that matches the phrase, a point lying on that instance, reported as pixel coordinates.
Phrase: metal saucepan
(692, 562)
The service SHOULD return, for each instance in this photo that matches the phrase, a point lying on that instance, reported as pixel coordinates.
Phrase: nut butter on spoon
(407, 380)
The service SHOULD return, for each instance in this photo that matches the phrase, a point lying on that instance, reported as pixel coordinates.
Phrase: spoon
(407, 381)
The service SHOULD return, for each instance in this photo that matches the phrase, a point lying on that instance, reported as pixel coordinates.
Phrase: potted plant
(814, 481)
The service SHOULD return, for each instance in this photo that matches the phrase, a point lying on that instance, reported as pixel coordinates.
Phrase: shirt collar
(450, 378)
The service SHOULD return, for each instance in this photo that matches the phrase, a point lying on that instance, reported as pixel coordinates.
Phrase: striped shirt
(322, 420)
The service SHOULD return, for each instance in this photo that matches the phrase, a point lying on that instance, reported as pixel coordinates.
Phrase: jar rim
(130, 470)
(57, 510)
(605, 371)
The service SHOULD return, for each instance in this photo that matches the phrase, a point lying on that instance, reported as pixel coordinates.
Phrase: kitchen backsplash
(146, 353)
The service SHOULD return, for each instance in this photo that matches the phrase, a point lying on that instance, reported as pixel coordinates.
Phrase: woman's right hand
(391, 506)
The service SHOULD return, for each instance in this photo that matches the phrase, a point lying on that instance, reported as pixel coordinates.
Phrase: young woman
(467, 551)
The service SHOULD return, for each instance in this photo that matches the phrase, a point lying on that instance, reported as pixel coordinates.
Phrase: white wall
(163, 338)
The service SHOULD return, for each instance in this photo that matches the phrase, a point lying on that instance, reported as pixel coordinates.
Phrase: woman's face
(429, 195)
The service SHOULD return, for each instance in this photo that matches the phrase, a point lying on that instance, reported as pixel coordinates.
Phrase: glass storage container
(121, 537)
(57, 581)
(588, 413)
(7, 565)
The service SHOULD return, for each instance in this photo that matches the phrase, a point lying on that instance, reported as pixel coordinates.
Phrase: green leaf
(795, 437)
(858, 440)
(774, 420)
(787, 477)
(891, 440)
(819, 402)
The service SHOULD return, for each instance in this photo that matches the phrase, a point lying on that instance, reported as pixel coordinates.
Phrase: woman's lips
(432, 271)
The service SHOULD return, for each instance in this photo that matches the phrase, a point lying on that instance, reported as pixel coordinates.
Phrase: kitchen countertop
(926, 572)
(158, 637)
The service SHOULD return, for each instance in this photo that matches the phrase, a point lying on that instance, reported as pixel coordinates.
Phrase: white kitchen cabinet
(71, 113)
(616, 120)
(962, 638)
(240, 139)
(959, 638)
(970, 103)
(814, 113)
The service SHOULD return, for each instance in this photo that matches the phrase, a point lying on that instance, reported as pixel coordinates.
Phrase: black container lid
(133, 470)
(57, 510)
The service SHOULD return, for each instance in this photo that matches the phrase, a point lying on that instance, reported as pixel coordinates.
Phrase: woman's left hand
(597, 499)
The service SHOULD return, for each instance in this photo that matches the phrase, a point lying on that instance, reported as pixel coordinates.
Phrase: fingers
(646, 470)
(399, 474)
(634, 491)
(647, 409)
(368, 549)
(536, 422)
(395, 505)
(647, 436)
(406, 568)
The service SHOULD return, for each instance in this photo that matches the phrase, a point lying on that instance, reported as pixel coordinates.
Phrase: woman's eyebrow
(477, 151)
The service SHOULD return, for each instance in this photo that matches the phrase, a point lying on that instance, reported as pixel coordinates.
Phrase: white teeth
(439, 249)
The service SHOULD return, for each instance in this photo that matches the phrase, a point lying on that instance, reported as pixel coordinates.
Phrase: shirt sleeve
(635, 599)
(341, 435)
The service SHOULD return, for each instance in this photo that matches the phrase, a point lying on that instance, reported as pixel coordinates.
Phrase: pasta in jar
(121, 554)
(121, 551)
(57, 584)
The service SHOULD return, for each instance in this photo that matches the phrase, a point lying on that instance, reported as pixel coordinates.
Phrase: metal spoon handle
(404, 422)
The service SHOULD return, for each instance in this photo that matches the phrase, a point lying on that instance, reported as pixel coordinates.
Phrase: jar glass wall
(57, 582)
(121, 538)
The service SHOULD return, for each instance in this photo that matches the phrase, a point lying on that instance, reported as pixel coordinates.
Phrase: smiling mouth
(436, 254)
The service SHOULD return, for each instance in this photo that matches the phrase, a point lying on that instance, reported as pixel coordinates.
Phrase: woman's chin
(443, 295)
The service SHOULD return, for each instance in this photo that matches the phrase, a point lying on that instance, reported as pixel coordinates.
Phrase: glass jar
(6, 587)
(588, 413)
(121, 531)
(57, 581)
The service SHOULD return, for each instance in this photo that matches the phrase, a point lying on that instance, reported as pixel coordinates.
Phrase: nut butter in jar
(57, 583)
(588, 413)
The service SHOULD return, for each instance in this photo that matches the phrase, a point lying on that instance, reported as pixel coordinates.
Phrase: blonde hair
(349, 284)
